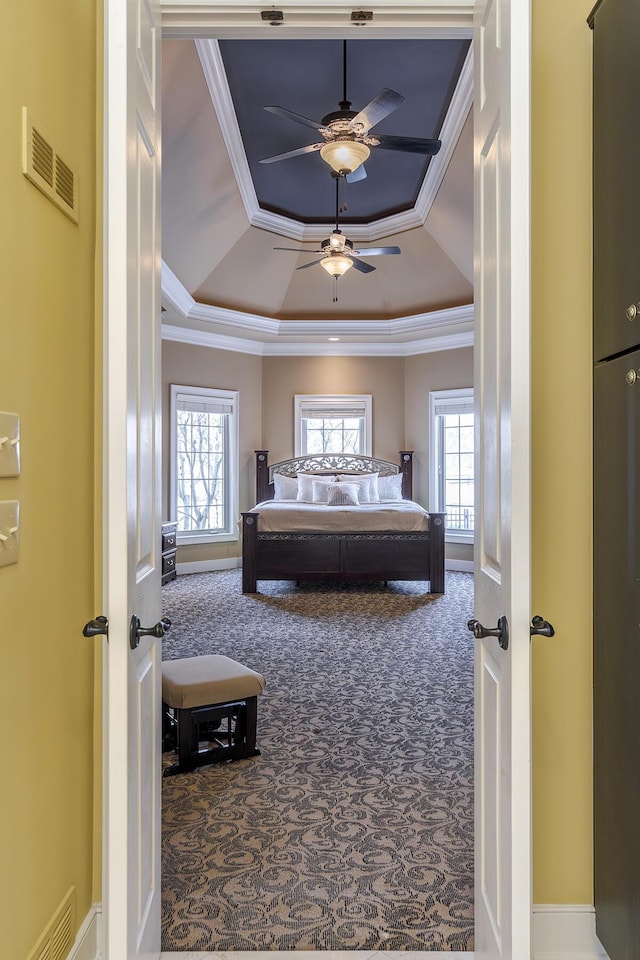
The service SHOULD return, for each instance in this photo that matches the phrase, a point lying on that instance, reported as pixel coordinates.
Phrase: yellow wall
(48, 63)
(561, 378)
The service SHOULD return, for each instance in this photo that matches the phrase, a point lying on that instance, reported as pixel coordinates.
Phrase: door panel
(502, 551)
(132, 481)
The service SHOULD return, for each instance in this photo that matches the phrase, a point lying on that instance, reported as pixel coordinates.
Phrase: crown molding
(213, 68)
(445, 330)
(174, 291)
(218, 341)
(205, 338)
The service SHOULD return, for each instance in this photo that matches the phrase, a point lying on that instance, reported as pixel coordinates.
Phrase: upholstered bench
(210, 700)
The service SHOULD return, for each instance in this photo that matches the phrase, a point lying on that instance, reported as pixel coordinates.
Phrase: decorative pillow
(321, 490)
(390, 488)
(343, 495)
(306, 481)
(284, 488)
(367, 485)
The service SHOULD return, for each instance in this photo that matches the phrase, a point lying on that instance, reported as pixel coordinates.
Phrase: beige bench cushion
(198, 681)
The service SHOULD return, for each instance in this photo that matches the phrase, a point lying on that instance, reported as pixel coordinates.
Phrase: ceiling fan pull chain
(335, 289)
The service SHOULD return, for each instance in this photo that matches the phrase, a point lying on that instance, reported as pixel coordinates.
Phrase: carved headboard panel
(330, 463)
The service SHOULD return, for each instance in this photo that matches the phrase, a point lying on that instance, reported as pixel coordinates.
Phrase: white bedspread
(297, 516)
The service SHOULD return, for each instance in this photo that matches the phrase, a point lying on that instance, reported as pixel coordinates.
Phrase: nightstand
(169, 546)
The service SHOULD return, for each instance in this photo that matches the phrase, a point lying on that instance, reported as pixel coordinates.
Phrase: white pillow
(284, 488)
(390, 488)
(321, 490)
(306, 481)
(367, 485)
(343, 495)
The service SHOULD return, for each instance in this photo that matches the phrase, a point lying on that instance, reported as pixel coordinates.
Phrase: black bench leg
(187, 739)
(250, 722)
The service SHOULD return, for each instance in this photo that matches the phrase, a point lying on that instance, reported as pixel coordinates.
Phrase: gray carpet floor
(354, 828)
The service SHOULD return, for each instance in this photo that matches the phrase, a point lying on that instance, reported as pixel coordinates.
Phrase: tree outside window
(332, 424)
(204, 462)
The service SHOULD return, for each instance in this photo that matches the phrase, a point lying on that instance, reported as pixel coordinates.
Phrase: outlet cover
(9, 444)
(9, 521)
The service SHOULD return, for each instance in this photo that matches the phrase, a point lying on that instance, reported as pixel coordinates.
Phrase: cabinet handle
(633, 310)
(632, 377)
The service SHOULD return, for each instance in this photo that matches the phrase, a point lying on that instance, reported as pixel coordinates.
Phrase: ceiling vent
(45, 168)
(57, 940)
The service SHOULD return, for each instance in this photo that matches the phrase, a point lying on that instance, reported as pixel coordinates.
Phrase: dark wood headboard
(330, 462)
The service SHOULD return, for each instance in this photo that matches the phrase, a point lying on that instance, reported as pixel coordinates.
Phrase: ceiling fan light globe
(337, 242)
(336, 265)
(344, 156)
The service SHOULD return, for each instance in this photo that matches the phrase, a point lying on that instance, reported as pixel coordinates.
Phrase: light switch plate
(9, 522)
(9, 444)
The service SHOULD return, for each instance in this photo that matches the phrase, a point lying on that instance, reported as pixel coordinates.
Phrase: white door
(502, 547)
(132, 749)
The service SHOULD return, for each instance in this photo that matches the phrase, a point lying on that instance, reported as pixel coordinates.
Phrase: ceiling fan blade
(289, 115)
(409, 144)
(358, 174)
(362, 266)
(311, 263)
(377, 109)
(293, 153)
(376, 251)
(297, 249)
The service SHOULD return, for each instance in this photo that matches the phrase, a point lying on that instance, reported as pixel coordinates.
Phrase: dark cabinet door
(617, 654)
(616, 168)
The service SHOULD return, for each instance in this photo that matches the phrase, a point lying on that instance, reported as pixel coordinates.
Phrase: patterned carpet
(354, 828)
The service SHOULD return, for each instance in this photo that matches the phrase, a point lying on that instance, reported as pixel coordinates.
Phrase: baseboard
(208, 566)
(88, 942)
(565, 932)
(465, 565)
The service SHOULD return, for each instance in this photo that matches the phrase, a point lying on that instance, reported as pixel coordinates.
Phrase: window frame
(451, 535)
(348, 400)
(231, 473)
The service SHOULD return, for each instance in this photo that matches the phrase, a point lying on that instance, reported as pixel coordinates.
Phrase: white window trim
(334, 399)
(230, 396)
(450, 536)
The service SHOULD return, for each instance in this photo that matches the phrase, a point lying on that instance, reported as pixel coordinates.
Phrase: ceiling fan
(338, 254)
(346, 139)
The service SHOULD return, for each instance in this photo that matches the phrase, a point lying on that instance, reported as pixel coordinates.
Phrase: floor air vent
(45, 168)
(57, 940)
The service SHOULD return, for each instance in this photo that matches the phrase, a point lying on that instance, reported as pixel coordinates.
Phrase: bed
(290, 540)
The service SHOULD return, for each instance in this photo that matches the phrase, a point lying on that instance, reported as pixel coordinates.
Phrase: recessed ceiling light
(333, 338)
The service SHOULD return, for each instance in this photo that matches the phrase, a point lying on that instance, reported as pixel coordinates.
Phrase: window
(332, 424)
(204, 463)
(452, 459)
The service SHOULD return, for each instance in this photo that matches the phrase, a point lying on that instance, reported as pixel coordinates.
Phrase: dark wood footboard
(346, 556)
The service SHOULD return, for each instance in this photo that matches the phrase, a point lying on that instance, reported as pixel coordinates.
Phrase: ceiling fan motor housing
(342, 114)
(328, 246)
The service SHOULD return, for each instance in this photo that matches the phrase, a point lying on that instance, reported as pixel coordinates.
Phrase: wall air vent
(43, 166)
(57, 940)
